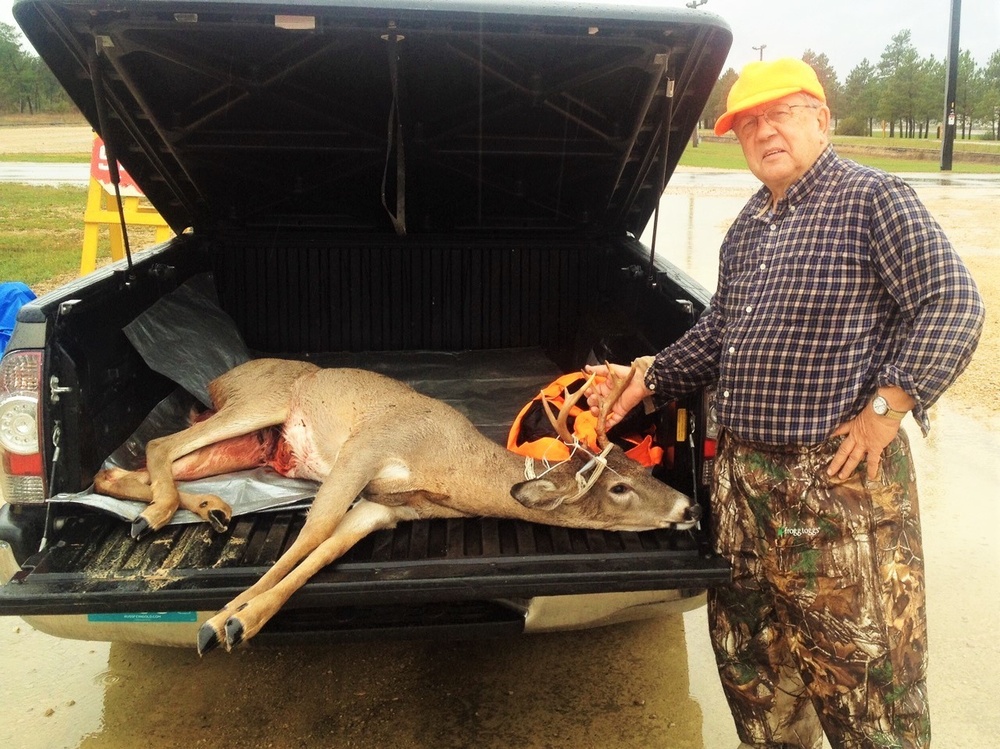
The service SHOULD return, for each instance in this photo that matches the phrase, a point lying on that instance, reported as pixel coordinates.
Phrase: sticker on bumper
(145, 617)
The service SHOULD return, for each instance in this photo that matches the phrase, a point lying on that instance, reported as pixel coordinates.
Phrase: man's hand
(865, 437)
(630, 397)
(868, 434)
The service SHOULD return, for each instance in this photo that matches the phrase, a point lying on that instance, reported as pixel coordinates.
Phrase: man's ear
(824, 119)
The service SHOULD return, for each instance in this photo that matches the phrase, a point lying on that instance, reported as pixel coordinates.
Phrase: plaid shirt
(847, 286)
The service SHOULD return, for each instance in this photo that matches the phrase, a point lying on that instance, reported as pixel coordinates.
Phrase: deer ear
(537, 494)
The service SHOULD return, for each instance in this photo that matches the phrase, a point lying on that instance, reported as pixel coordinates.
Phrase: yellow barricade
(102, 210)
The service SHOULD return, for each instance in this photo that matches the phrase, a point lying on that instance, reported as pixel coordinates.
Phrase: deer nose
(692, 514)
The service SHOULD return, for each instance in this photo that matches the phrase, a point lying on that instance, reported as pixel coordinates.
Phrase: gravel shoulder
(46, 139)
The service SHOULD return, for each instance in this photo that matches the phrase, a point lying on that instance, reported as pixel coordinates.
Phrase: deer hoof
(234, 632)
(208, 638)
(140, 528)
(218, 520)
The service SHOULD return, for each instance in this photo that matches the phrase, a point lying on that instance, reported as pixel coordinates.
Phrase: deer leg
(117, 482)
(361, 520)
(134, 485)
(235, 454)
(328, 510)
(162, 453)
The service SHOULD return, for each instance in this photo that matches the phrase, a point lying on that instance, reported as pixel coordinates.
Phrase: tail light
(711, 438)
(21, 474)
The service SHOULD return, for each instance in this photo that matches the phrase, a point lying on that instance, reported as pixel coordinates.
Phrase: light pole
(694, 136)
(950, 88)
(761, 50)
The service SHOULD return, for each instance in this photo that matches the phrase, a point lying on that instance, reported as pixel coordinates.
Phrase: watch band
(881, 406)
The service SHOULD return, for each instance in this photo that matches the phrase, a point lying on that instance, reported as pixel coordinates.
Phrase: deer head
(606, 490)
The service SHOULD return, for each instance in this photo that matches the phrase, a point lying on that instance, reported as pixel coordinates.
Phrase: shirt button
(732, 349)
(774, 227)
(763, 266)
(749, 308)
(725, 393)
(791, 207)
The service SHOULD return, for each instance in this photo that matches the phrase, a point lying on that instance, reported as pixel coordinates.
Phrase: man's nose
(764, 127)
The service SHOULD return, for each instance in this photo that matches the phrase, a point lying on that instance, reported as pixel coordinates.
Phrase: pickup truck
(449, 192)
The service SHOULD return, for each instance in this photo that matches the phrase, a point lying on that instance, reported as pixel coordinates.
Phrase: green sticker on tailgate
(146, 617)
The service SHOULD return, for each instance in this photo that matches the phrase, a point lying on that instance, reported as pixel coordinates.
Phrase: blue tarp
(13, 296)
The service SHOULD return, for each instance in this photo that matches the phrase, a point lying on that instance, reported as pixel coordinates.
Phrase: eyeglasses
(779, 114)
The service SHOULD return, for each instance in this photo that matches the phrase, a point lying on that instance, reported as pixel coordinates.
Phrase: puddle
(623, 686)
(691, 228)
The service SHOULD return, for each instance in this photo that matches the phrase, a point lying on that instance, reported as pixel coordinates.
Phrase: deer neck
(488, 476)
(492, 470)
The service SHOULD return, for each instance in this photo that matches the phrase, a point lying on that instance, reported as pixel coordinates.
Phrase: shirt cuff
(643, 367)
(894, 376)
(658, 385)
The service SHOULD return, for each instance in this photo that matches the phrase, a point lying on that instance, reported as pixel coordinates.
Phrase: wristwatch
(881, 406)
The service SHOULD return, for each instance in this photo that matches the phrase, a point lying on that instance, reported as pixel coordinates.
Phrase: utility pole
(951, 88)
(694, 136)
(761, 50)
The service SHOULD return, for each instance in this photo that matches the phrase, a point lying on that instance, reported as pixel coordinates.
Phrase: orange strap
(584, 429)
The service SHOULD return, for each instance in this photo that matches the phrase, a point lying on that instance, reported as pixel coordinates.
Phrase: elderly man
(841, 307)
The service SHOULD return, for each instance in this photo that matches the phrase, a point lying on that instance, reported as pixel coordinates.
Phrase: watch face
(880, 405)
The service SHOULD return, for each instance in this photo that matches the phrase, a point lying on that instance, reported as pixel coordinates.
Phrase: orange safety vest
(531, 434)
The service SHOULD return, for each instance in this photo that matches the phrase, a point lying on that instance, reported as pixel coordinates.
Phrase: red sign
(100, 171)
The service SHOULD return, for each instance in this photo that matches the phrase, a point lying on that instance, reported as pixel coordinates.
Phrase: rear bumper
(490, 619)
(467, 577)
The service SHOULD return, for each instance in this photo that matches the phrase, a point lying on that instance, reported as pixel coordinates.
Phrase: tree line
(901, 95)
(27, 86)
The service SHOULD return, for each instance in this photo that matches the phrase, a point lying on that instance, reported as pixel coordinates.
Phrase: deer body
(361, 434)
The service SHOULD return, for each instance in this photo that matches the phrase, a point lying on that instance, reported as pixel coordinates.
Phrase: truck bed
(92, 565)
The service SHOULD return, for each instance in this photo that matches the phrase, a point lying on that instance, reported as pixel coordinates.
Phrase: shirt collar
(801, 188)
(813, 176)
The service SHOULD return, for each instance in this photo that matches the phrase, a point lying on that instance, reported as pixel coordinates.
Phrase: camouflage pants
(824, 626)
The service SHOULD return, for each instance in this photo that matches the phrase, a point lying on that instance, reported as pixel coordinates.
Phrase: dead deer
(400, 454)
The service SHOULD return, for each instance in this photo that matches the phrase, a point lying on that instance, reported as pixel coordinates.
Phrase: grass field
(728, 155)
(960, 146)
(41, 231)
(47, 158)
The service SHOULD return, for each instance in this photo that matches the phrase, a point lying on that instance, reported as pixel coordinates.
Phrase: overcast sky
(846, 31)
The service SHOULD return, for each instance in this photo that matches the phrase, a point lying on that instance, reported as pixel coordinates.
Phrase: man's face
(780, 147)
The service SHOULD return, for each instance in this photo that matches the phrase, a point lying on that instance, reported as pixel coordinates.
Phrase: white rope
(584, 483)
(598, 463)
(529, 462)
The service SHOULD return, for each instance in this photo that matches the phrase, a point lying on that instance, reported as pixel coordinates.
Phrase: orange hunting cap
(761, 82)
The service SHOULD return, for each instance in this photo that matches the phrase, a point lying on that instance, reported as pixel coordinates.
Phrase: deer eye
(619, 488)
